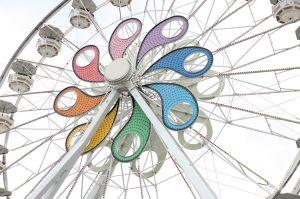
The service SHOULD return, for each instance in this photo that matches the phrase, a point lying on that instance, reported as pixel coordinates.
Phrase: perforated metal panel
(138, 125)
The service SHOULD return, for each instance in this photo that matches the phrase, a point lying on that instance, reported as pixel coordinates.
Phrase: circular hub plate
(117, 70)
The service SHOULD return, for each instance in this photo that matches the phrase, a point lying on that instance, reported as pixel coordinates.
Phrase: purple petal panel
(117, 45)
(156, 38)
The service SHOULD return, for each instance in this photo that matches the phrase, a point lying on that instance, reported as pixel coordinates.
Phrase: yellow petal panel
(100, 134)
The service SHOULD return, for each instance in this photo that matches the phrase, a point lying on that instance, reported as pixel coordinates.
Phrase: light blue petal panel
(172, 94)
(175, 61)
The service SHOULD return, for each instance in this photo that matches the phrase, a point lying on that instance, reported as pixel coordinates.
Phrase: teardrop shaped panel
(117, 45)
(83, 102)
(100, 134)
(91, 71)
(138, 125)
(176, 59)
(171, 95)
(155, 36)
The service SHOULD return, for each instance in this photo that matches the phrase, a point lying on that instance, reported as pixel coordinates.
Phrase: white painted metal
(2, 166)
(24, 68)
(117, 70)
(48, 47)
(98, 190)
(88, 5)
(296, 188)
(4, 192)
(79, 18)
(50, 185)
(120, 3)
(20, 83)
(294, 166)
(290, 171)
(200, 185)
(156, 146)
(286, 10)
(3, 150)
(6, 122)
(99, 187)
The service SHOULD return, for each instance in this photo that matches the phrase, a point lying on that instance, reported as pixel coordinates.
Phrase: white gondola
(6, 122)
(80, 18)
(49, 44)
(298, 33)
(21, 81)
(120, 3)
(286, 10)
(3, 150)
(2, 166)
(286, 196)
(4, 192)
(80, 15)
(274, 2)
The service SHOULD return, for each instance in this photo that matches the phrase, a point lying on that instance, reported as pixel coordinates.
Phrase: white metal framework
(241, 143)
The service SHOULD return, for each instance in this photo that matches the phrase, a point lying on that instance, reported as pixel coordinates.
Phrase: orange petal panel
(83, 104)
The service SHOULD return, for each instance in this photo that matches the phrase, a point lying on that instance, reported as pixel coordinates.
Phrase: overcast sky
(17, 19)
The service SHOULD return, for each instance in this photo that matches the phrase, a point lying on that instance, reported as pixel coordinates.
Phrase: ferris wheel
(154, 99)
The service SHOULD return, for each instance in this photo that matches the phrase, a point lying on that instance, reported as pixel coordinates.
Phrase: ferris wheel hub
(118, 71)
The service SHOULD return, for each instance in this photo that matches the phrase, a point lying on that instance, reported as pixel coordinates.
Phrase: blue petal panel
(172, 94)
(175, 61)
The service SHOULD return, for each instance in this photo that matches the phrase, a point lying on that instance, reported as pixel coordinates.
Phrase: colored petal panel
(100, 134)
(171, 95)
(138, 125)
(90, 72)
(83, 103)
(175, 61)
(155, 36)
(117, 45)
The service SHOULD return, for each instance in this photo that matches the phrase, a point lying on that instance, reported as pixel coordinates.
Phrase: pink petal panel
(117, 45)
(90, 72)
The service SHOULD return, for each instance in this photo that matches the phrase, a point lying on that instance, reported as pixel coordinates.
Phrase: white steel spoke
(192, 173)
(48, 187)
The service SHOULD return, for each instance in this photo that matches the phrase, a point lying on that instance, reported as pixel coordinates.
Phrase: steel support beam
(51, 183)
(97, 191)
(296, 188)
(293, 168)
(198, 182)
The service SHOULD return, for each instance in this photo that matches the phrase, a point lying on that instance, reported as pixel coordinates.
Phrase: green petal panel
(138, 125)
